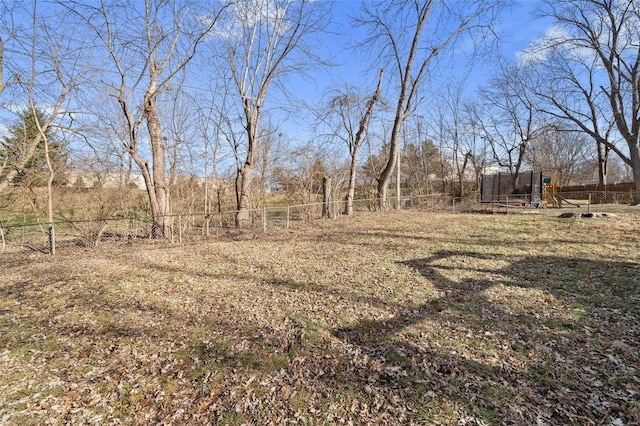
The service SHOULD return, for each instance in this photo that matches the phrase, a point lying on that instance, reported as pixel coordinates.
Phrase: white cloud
(575, 45)
(251, 15)
(539, 50)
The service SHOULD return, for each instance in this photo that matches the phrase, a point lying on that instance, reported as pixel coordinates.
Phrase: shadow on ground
(513, 340)
(544, 339)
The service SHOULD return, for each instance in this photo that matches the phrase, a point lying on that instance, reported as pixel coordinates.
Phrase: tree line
(208, 89)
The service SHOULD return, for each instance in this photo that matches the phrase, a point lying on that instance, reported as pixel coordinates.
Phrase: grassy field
(397, 318)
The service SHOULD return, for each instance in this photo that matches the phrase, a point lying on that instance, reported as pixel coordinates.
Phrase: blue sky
(517, 30)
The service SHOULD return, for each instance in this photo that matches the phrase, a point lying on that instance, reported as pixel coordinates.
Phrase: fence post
(589, 204)
(180, 228)
(264, 219)
(287, 220)
(52, 239)
(453, 203)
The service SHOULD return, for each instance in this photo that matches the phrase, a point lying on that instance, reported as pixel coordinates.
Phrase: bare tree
(348, 120)
(509, 117)
(263, 42)
(103, 141)
(598, 44)
(147, 47)
(211, 119)
(7, 10)
(212, 111)
(558, 152)
(454, 132)
(45, 69)
(269, 153)
(410, 34)
(568, 89)
(302, 176)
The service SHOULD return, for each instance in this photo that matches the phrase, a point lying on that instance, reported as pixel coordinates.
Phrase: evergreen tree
(14, 147)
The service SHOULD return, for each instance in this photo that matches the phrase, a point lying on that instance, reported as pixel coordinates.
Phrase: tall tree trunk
(50, 177)
(326, 197)
(409, 79)
(52, 229)
(635, 166)
(348, 208)
(160, 202)
(603, 159)
(387, 172)
(243, 216)
(462, 171)
(362, 127)
(517, 167)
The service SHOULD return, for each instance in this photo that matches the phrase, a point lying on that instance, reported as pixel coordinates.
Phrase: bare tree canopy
(263, 42)
(509, 117)
(146, 48)
(561, 153)
(348, 119)
(590, 71)
(406, 36)
(44, 70)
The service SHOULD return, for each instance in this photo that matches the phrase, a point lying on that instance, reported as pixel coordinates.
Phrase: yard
(397, 318)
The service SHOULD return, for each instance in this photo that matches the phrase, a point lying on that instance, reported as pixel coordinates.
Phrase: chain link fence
(65, 235)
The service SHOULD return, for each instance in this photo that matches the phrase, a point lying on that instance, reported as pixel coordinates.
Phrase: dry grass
(397, 318)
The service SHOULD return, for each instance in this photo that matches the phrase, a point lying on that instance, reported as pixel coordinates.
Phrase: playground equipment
(549, 193)
(550, 196)
(564, 200)
(507, 189)
(522, 190)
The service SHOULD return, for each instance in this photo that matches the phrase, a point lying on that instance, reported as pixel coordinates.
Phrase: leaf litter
(396, 318)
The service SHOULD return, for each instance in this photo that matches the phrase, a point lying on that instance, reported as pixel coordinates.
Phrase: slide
(564, 200)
